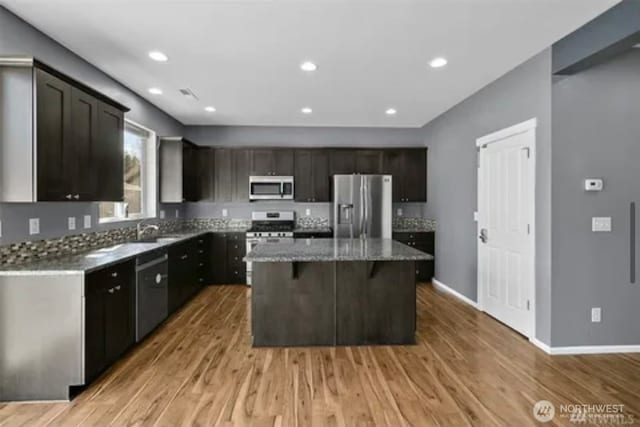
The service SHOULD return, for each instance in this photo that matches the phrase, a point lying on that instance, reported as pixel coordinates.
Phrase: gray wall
(19, 38)
(302, 136)
(596, 133)
(520, 95)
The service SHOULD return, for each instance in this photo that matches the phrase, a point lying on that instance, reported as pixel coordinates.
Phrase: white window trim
(149, 183)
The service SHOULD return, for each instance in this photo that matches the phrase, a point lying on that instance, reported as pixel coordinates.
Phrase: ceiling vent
(188, 93)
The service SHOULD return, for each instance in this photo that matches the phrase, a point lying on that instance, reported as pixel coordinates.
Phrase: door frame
(495, 137)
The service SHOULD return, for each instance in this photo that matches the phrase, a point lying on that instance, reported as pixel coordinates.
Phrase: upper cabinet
(312, 176)
(58, 137)
(272, 161)
(180, 177)
(409, 169)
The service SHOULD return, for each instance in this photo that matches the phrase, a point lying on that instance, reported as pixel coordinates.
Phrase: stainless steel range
(273, 227)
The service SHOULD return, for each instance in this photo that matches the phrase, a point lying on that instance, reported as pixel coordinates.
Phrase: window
(139, 177)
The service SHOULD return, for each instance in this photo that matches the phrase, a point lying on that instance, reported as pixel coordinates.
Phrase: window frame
(149, 181)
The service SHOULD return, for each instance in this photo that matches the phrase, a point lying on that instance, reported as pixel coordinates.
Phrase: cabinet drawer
(236, 237)
(237, 275)
(109, 276)
(414, 237)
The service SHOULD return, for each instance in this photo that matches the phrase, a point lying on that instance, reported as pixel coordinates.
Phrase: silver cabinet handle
(184, 257)
(111, 291)
(118, 287)
(76, 196)
(68, 196)
(114, 274)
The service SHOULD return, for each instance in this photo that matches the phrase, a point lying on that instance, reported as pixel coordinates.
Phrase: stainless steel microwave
(270, 188)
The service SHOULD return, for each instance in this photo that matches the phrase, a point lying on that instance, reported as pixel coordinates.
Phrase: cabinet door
(219, 258)
(176, 276)
(369, 162)
(394, 164)
(224, 180)
(108, 154)
(283, 162)
(120, 314)
(81, 151)
(342, 162)
(304, 177)
(190, 178)
(321, 177)
(94, 327)
(415, 175)
(53, 122)
(241, 163)
(206, 173)
(204, 260)
(262, 162)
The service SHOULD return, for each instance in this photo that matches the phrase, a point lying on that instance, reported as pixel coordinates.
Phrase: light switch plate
(596, 314)
(71, 221)
(601, 223)
(162, 214)
(34, 226)
(475, 216)
(87, 221)
(225, 212)
(399, 212)
(307, 212)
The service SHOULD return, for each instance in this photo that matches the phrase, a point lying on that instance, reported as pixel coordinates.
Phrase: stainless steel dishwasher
(152, 291)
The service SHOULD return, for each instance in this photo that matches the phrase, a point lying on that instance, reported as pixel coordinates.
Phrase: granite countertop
(413, 230)
(99, 258)
(309, 250)
(313, 230)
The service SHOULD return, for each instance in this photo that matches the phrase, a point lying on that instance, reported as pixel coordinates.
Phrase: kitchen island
(325, 292)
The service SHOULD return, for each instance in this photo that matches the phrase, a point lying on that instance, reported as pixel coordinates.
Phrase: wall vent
(188, 93)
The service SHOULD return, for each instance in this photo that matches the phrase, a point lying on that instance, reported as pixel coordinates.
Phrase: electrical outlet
(307, 212)
(0, 228)
(225, 213)
(599, 224)
(87, 221)
(596, 314)
(162, 214)
(71, 221)
(399, 212)
(475, 216)
(177, 213)
(34, 226)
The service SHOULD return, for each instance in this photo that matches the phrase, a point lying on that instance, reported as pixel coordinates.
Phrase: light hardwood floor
(467, 369)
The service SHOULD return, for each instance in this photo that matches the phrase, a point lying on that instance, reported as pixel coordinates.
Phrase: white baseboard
(439, 285)
(585, 349)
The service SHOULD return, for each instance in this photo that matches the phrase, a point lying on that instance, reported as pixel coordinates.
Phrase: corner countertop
(320, 250)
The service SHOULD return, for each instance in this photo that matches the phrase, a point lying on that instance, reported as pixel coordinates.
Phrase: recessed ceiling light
(156, 55)
(391, 112)
(210, 109)
(438, 62)
(306, 110)
(155, 91)
(308, 66)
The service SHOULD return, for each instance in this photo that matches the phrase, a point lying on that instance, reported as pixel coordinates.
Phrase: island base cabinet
(333, 303)
(375, 303)
(293, 304)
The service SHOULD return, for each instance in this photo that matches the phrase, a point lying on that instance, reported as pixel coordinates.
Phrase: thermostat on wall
(593, 184)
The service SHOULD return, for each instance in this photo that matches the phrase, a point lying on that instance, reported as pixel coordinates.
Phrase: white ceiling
(243, 56)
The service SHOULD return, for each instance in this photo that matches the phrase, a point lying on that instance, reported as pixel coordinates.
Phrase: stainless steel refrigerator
(362, 206)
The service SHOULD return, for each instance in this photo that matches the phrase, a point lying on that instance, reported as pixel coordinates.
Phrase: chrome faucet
(142, 228)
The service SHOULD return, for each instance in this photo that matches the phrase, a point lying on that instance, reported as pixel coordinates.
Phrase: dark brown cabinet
(180, 164)
(422, 241)
(272, 161)
(409, 170)
(241, 165)
(312, 176)
(369, 162)
(206, 173)
(223, 175)
(183, 273)
(109, 153)
(227, 251)
(342, 161)
(78, 137)
(109, 316)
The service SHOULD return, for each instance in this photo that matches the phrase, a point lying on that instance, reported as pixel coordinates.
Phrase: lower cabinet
(109, 316)
(422, 241)
(227, 251)
(183, 272)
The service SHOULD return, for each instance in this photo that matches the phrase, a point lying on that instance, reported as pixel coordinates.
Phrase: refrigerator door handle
(361, 228)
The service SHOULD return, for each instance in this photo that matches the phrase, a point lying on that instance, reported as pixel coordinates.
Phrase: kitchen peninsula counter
(328, 292)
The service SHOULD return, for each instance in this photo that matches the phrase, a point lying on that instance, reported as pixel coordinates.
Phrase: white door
(506, 197)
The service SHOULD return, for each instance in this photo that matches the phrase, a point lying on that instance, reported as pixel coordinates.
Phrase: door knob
(483, 235)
